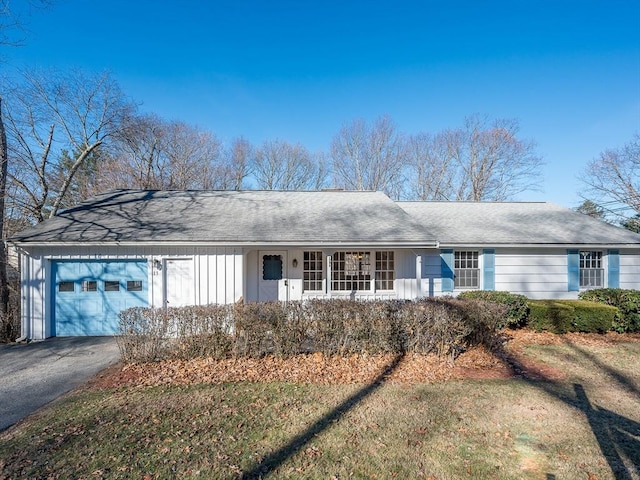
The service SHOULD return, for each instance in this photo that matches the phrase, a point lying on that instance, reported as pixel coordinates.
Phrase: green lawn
(585, 426)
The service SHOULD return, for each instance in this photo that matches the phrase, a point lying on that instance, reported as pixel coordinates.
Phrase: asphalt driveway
(34, 374)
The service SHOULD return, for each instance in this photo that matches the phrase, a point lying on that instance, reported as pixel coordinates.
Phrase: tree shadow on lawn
(618, 437)
(277, 458)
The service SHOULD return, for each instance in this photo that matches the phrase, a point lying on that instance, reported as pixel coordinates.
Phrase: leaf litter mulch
(316, 368)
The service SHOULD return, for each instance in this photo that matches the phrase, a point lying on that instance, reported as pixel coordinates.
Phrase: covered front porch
(357, 273)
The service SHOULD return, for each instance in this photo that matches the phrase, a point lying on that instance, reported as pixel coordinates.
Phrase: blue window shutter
(614, 269)
(489, 269)
(573, 261)
(446, 264)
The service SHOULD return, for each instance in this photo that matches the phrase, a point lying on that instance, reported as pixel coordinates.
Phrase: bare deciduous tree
(369, 157)
(491, 162)
(190, 157)
(136, 155)
(152, 153)
(279, 165)
(234, 168)
(614, 179)
(10, 23)
(431, 170)
(4, 282)
(51, 113)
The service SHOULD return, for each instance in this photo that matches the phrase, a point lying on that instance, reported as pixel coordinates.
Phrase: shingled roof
(233, 218)
(514, 223)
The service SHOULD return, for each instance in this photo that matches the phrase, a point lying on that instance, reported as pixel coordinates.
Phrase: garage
(88, 295)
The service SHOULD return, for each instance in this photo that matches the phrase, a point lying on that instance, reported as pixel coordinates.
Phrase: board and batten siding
(218, 277)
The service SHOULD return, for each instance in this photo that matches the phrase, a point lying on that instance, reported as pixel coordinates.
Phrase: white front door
(179, 282)
(272, 271)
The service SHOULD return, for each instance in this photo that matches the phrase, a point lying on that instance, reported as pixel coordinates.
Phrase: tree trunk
(4, 283)
(72, 171)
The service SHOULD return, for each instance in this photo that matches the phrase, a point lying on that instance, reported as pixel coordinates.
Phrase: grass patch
(504, 429)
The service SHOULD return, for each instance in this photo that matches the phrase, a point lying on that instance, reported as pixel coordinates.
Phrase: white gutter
(261, 244)
(540, 245)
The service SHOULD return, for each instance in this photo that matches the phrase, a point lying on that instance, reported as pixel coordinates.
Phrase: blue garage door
(88, 295)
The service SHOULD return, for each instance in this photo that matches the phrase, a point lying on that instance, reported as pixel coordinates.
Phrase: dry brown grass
(569, 410)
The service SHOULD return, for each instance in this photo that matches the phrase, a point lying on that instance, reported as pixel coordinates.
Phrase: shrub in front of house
(562, 316)
(200, 331)
(445, 326)
(628, 304)
(270, 327)
(143, 334)
(518, 308)
(348, 326)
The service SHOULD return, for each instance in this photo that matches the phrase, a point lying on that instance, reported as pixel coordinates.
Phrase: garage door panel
(99, 292)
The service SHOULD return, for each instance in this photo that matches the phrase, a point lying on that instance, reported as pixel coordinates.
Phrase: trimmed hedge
(445, 326)
(627, 301)
(518, 313)
(562, 316)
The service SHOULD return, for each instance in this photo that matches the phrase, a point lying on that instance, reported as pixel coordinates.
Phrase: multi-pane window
(351, 271)
(466, 270)
(312, 270)
(385, 270)
(591, 272)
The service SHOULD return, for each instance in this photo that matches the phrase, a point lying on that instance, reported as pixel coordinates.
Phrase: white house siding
(34, 297)
(536, 273)
(218, 276)
(630, 269)
(431, 274)
(543, 273)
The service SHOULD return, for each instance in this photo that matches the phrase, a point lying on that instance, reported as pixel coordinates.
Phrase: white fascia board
(390, 245)
(540, 245)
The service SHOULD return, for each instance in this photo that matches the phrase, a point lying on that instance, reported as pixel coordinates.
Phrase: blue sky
(569, 71)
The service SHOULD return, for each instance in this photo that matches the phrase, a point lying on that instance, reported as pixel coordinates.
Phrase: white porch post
(327, 285)
(418, 275)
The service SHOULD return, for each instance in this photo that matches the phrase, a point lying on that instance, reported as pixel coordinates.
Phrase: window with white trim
(591, 271)
(354, 271)
(351, 271)
(385, 270)
(312, 271)
(466, 269)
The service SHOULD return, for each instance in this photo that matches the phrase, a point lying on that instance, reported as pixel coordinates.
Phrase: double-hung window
(312, 271)
(466, 269)
(591, 271)
(385, 270)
